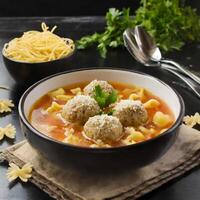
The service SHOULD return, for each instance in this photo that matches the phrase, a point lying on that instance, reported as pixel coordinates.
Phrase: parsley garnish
(110, 112)
(104, 99)
(170, 22)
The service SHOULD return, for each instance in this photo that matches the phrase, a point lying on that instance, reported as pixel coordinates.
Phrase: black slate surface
(62, 7)
(10, 8)
(183, 188)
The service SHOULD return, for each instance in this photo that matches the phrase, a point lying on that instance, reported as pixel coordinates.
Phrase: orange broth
(42, 121)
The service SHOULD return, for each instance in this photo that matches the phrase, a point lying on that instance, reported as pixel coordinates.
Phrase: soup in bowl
(101, 117)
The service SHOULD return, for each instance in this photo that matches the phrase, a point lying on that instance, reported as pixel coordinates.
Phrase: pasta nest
(35, 46)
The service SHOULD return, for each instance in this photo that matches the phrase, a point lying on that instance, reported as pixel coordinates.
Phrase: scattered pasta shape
(54, 107)
(76, 91)
(9, 131)
(192, 120)
(15, 172)
(152, 103)
(59, 91)
(161, 120)
(6, 105)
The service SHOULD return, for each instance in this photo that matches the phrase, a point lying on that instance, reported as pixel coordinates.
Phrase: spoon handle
(188, 81)
(183, 70)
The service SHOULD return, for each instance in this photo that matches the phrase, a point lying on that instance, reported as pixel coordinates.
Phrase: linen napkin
(70, 183)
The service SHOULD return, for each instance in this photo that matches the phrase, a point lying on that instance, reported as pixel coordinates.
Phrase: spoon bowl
(141, 46)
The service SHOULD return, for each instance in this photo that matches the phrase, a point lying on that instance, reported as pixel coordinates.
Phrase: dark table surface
(184, 188)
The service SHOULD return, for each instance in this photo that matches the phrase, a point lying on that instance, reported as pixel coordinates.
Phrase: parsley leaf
(104, 99)
(112, 98)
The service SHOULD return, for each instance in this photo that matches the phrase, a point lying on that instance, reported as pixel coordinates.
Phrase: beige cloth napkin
(74, 184)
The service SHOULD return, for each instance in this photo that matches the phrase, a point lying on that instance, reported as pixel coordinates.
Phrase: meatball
(105, 86)
(105, 128)
(80, 108)
(130, 113)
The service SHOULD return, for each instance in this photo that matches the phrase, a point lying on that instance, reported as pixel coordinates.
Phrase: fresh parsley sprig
(116, 22)
(104, 99)
(170, 22)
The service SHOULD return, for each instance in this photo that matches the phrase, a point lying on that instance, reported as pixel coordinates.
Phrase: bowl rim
(100, 149)
(44, 62)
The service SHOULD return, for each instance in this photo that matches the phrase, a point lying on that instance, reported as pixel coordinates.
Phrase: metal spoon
(135, 50)
(144, 49)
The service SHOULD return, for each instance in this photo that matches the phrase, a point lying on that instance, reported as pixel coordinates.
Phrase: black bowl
(28, 73)
(135, 155)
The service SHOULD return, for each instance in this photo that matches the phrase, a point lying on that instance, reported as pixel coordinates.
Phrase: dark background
(19, 8)
(184, 188)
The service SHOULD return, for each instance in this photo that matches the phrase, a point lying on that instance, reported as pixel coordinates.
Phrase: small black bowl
(135, 155)
(28, 73)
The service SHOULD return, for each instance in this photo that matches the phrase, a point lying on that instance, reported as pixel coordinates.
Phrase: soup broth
(46, 117)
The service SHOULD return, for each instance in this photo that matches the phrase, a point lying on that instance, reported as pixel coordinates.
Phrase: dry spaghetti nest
(35, 46)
